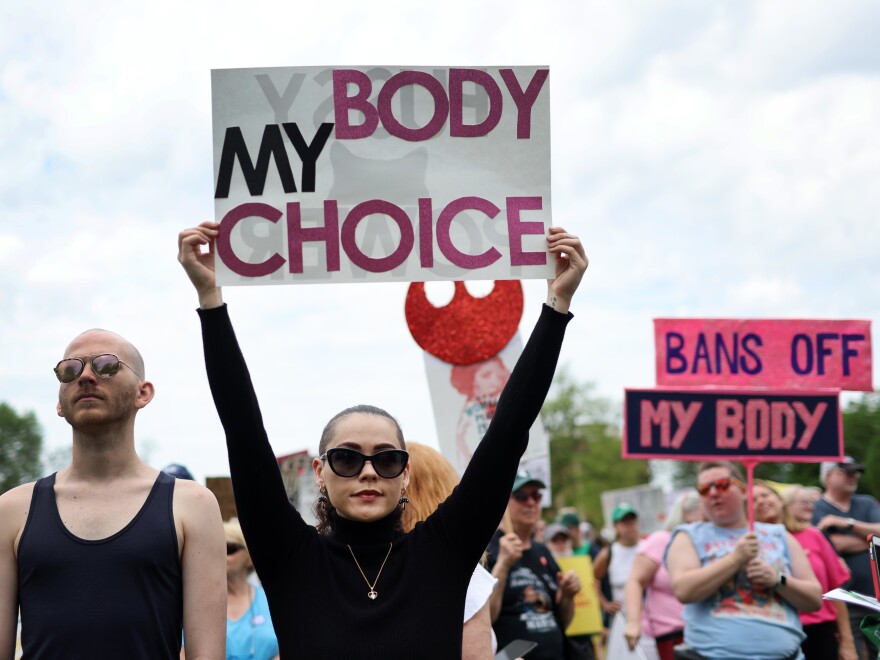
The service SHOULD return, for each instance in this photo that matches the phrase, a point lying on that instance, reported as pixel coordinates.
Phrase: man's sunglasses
(232, 548)
(721, 485)
(104, 366)
(522, 496)
(345, 462)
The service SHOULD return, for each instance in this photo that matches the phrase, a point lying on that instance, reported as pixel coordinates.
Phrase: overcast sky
(717, 158)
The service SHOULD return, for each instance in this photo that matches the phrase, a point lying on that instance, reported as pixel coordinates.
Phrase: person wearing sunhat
(847, 518)
(616, 560)
(533, 599)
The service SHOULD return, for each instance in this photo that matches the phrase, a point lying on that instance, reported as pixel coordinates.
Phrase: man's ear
(146, 392)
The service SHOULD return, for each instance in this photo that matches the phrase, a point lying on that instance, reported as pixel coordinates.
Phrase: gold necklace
(372, 592)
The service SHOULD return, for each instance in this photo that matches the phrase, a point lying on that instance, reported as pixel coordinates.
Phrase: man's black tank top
(119, 597)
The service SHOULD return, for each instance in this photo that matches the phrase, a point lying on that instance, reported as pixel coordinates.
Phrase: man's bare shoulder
(198, 521)
(193, 501)
(14, 507)
(193, 493)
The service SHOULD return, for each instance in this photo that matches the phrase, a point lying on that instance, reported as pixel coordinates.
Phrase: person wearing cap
(533, 598)
(616, 560)
(847, 518)
(648, 599)
(558, 539)
(580, 547)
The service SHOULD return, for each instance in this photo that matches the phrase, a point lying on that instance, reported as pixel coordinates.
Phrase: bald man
(108, 557)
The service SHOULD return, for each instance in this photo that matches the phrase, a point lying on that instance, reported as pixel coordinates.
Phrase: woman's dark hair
(323, 509)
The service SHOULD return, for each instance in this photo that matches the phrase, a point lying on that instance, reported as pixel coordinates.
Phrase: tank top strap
(42, 503)
(164, 494)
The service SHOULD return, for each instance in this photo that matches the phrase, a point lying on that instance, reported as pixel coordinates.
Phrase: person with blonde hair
(249, 630)
(823, 627)
(431, 480)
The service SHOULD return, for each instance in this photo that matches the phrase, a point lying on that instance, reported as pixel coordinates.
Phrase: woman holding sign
(359, 587)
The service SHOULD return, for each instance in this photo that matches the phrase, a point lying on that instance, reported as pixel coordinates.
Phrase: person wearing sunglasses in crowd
(533, 598)
(358, 586)
(109, 557)
(742, 590)
(249, 631)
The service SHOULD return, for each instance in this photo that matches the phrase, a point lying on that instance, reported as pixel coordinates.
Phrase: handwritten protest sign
(381, 174)
(764, 353)
(767, 425)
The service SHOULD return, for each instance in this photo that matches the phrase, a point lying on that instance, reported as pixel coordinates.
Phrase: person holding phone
(357, 585)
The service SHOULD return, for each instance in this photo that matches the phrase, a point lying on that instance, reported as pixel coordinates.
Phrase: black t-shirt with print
(528, 610)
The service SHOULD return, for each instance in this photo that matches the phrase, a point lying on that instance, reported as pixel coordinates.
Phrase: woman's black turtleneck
(317, 596)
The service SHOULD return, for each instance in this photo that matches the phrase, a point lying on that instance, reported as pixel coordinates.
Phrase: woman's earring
(404, 500)
(322, 498)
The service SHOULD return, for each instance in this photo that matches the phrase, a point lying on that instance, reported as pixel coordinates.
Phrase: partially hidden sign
(366, 174)
(771, 425)
(781, 353)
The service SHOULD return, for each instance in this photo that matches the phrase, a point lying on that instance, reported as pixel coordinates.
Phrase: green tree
(20, 443)
(585, 448)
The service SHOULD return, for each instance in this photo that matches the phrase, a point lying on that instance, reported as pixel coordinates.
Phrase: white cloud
(719, 159)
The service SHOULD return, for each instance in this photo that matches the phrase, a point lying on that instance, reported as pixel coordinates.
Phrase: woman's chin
(365, 512)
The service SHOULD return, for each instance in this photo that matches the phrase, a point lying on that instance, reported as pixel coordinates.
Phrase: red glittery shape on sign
(468, 329)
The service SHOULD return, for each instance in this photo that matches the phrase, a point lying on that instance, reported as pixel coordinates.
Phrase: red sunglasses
(721, 485)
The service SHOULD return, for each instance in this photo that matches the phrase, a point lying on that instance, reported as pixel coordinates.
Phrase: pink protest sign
(782, 353)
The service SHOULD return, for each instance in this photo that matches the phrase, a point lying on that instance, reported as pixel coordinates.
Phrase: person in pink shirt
(660, 617)
(829, 636)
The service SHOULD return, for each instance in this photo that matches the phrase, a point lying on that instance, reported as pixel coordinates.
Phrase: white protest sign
(381, 174)
(464, 399)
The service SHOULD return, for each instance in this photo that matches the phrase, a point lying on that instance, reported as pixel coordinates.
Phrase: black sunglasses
(232, 548)
(345, 462)
(104, 366)
(524, 496)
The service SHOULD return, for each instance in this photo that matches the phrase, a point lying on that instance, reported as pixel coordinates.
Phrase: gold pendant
(372, 594)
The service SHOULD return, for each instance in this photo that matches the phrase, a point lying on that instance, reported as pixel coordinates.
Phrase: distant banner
(770, 425)
(381, 174)
(587, 615)
(764, 353)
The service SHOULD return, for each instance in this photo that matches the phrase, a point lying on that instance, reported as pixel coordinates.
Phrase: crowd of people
(110, 558)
